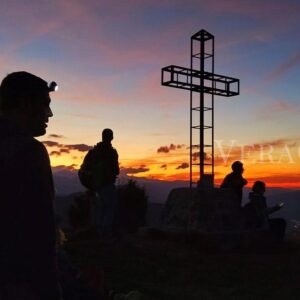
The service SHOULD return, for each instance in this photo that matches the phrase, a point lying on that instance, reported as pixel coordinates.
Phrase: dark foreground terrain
(172, 268)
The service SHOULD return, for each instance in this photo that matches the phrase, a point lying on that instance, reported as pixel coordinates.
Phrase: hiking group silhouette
(31, 263)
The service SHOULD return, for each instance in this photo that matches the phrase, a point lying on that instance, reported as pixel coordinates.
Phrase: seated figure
(257, 212)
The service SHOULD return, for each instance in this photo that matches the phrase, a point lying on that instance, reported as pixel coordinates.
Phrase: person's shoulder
(230, 176)
(28, 144)
(235, 176)
(98, 145)
(36, 148)
(105, 147)
(98, 148)
(224, 184)
(114, 150)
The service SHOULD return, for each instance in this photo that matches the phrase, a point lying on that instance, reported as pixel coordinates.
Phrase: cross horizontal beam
(188, 79)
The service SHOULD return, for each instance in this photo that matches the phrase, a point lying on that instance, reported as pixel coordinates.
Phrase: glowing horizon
(276, 162)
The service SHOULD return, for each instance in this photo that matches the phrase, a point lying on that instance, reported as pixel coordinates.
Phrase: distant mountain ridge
(66, 182)
(67, 185)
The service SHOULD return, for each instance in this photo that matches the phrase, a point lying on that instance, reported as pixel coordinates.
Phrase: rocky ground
(163, 267)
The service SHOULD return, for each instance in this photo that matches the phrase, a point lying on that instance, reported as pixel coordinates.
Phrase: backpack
(90, 171)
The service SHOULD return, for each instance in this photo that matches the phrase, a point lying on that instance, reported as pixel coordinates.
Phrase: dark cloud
(276, 143)
(193, 147)
(55, 136)
(183, 166)
(51, 144)
(64, 150)
(60, 152)
(164, 166)
(163, 149)
(78, 147)
(167, 149)
(55, 153)
(67, 148)
(133, 170)
(64, 168)
(195, 156)
(172, 147)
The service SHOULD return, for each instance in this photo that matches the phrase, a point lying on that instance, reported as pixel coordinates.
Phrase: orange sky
(276, 162)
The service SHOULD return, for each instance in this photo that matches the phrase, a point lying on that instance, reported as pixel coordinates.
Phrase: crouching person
(257, 212)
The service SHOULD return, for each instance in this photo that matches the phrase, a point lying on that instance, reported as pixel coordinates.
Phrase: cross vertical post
(202, 58)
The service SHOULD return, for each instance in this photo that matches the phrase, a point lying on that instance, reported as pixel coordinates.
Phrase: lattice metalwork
(204, 84)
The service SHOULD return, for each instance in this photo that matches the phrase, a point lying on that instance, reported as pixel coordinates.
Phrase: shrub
(80, 210)
(133, 206)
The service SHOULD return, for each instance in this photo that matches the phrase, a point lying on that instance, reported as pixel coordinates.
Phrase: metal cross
(201, 79)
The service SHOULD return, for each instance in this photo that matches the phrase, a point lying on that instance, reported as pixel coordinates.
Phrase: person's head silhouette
(25, 100)
(237, 167)
(259, 187)
(107, 135)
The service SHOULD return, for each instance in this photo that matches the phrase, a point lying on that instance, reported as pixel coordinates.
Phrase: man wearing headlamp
(27, 228)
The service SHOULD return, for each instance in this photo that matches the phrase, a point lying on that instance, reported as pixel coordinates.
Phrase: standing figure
(106, 170)
(28, 268)
(235, 180)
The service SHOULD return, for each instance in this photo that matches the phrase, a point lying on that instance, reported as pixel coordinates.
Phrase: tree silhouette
(133, 202)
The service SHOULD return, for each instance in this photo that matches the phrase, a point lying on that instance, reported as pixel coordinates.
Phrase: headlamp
(52, 86)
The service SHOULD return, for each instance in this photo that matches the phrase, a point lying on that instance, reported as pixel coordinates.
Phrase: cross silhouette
(206, 84)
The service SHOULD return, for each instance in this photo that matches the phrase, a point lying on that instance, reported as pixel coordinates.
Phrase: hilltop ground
(163, 268)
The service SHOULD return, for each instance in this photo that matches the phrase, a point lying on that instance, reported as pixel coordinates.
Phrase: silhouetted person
(235, 180)
(27, 229)
(107, 171)
(260, 212)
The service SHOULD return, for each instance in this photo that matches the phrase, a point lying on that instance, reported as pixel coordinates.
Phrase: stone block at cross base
(203, 210)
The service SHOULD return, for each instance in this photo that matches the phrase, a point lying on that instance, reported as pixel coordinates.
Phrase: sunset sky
(106, 57)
